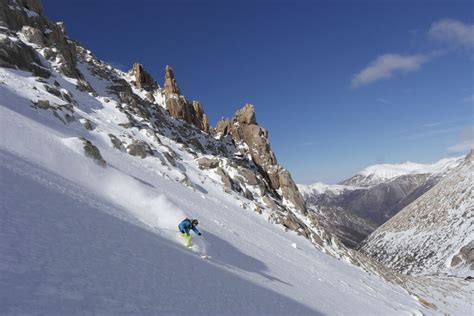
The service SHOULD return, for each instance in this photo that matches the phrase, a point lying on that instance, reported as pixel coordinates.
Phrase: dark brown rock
(170, 85)
(244, 129)
(143, 80)
(198, 117)
(246, 115)
(223, 127)
(207, 163)
(289, 190)
(248, 176)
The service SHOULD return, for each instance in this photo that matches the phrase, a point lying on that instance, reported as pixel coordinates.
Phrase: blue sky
(339, 84)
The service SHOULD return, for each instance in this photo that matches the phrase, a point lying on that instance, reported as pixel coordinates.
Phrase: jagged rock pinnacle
(246, 115)
(143, 80)
(170, 86)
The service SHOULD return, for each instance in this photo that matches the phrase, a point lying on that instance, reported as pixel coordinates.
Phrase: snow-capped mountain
(373, 196)
(435, 233)
(382, 173)
(98, 166)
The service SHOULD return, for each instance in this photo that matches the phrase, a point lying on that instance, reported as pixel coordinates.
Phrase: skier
(184, 227)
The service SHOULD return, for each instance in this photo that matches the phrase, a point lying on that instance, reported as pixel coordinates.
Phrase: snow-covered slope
(77, 237)
(435, 233)
(377, 174)
(96, 173)
(323, 188)
(68, 250)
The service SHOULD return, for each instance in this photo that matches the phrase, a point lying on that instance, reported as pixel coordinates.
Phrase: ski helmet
(195, 222)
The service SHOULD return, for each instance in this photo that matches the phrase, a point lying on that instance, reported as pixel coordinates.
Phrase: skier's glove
(199, 234)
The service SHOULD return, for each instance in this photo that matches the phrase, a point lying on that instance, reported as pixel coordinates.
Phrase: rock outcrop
(180, 108)
(93, 152)
(143, 80)
(14, 54)
(27, 16)
(170, 86)
(244, 130)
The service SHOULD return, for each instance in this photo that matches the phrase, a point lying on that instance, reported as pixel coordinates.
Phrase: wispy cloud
(453, 32)
(384, 101)
(385, 66)
(447, 31)
(468, 99)
(431, 129)
(466, 141)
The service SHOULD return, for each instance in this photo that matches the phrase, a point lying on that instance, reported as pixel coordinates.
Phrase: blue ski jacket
(186, 225)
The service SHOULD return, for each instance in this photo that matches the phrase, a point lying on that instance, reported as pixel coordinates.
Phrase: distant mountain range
(435, 233)
(357, 206)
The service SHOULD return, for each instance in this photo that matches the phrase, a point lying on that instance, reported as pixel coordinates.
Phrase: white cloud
(466, 141)
(385, 66)
(453, 32)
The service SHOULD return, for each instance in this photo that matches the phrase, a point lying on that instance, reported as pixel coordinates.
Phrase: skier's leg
(187, 239)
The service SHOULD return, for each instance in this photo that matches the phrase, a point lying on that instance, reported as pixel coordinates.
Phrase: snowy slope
(95, 179)
(377, 174)
(323, 188)
(425, 236)
(83, 238)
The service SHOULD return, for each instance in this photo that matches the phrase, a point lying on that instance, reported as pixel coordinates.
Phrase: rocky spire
(246, 115)
(143, 80)
(244, 129)
(170, 86)
(180, 108)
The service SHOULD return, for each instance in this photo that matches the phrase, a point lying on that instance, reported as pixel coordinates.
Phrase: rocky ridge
(71, 81)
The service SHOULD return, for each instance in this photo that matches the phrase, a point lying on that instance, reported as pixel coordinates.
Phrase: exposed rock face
(170, 86)
(289, 189)
(179, 108)
(246, 115)
(139, 148)
(93, 152)
(223, 127)
(143, 80)
(244, 129)
(21, 56)
(16, 15)
(33, 35)
(33, 5)
(207, 163)
(199, 119)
